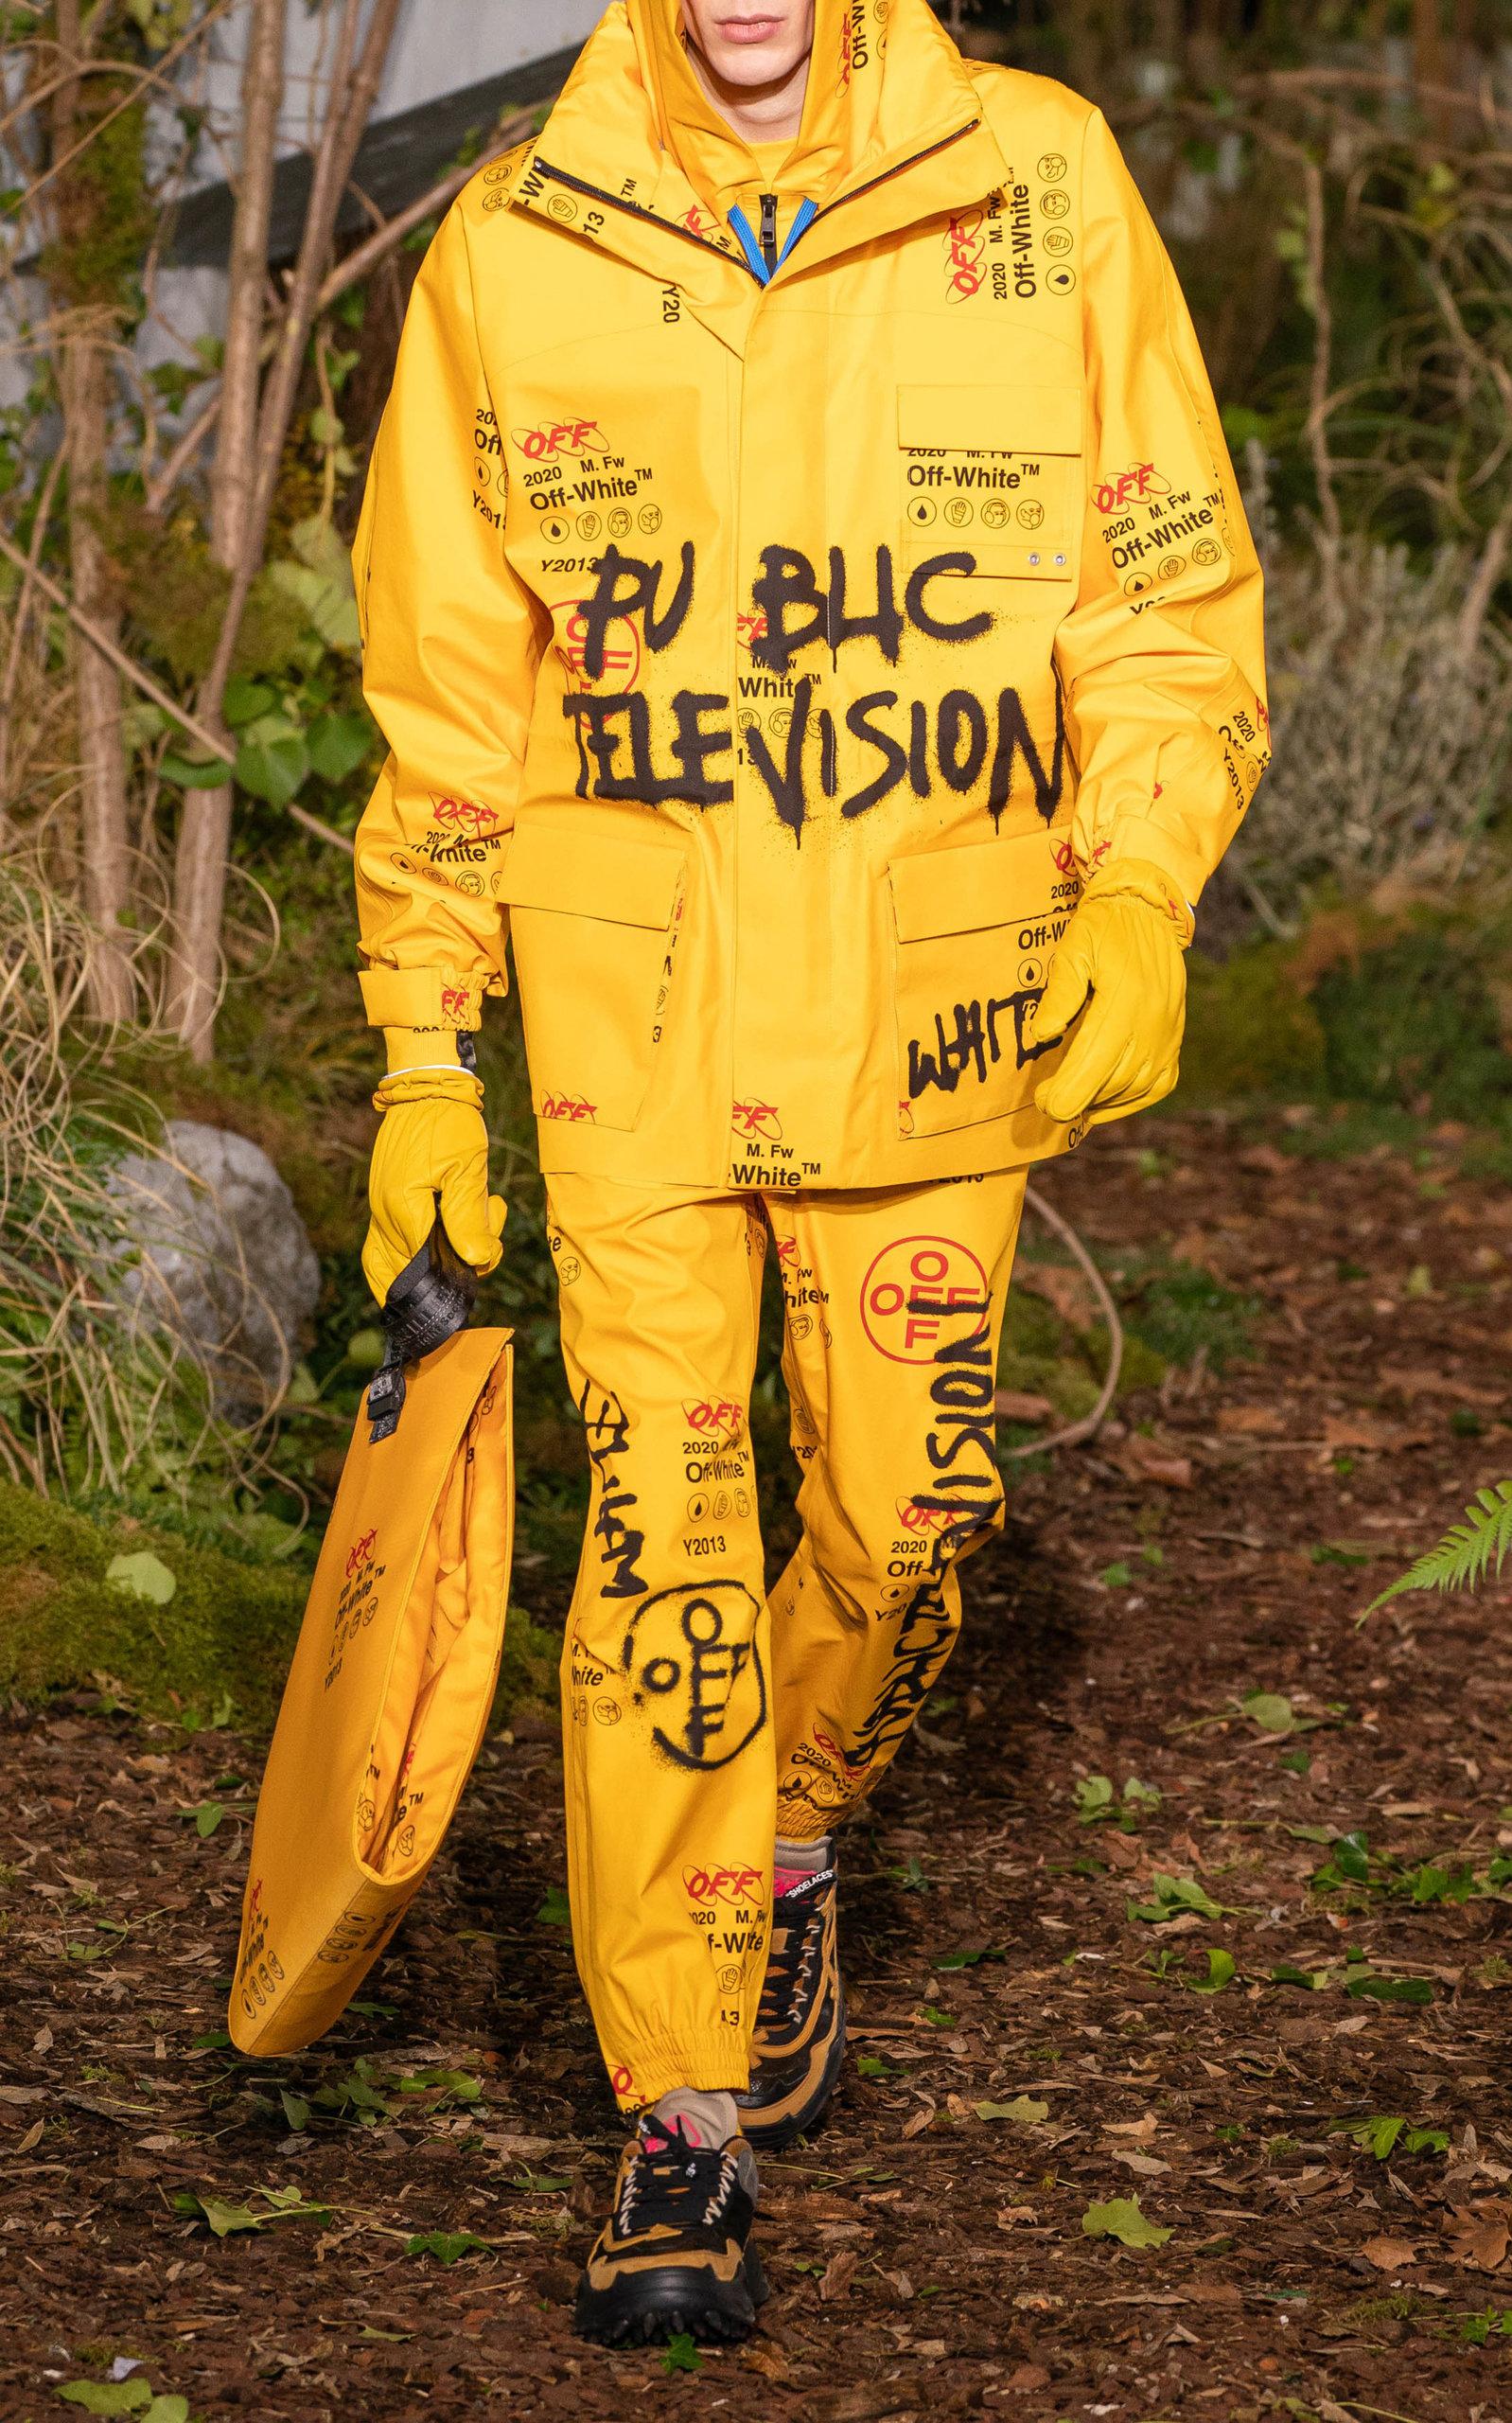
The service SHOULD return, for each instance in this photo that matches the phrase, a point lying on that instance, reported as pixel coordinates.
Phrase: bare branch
(137, 675)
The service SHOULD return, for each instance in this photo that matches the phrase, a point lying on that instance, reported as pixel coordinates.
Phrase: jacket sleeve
(1161, 660)
(450, 646)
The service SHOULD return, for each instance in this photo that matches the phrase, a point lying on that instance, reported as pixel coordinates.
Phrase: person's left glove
(432, 1155)
(1120, 967)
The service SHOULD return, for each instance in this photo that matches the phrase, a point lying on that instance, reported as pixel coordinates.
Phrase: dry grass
(98, 1393)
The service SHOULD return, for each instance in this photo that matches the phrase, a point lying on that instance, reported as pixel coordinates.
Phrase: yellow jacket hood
(878, 94)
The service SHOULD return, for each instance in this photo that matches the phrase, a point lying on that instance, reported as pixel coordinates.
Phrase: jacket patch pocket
(593, 920)
(991, 472)
(974, 933)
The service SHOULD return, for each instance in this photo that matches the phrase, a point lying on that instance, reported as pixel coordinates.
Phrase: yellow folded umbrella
(389, 1691)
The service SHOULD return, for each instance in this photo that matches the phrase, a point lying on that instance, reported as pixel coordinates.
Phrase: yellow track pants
(702, 1715)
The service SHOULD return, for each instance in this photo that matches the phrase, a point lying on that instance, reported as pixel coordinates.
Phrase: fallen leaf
(142, 1575)
(1067, 1292)
(1148, 2165)
(1359, 1430)
(1143, 2129)
(1121, 2219)
(1026, 2108)
(1426, 1383)
(1028, 2377)
(1251, 1422)
(838, 2273)
(1480, 2239)
(1388, 2254)
(1145, 1458)
(1268, 1158)
(918, 2121)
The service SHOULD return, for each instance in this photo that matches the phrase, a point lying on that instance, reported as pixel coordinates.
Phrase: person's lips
(747, 30)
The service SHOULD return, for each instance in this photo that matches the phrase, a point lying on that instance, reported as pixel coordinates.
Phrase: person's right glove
(1118, 970)
(432, 1155)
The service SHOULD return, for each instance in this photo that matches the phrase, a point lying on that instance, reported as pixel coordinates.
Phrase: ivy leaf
(224, 2219)
(1173, 1896)
(680, 2355)
(245, 701)
(296, 2110)
(1389, 1989)
(108, 2398)
(556, 1910)
(142, 1575)
(1122, 2219)
(447, 2246)
(272, 770)
(194, 773)
(338, 745)
(1270, 1710)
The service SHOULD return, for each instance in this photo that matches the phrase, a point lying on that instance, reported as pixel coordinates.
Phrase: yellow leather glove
(431, 1154)
(1119, 963)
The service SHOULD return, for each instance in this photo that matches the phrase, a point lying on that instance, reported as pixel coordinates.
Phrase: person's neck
(760, 113)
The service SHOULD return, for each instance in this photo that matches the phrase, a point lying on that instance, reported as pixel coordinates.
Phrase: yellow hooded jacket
(776, 605)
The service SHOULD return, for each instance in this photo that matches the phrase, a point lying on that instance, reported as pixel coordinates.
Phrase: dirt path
(1327, 2137)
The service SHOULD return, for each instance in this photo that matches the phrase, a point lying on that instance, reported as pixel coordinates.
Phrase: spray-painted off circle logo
(918, 1292)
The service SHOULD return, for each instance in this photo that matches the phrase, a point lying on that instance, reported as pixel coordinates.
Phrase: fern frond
(1467, 1550)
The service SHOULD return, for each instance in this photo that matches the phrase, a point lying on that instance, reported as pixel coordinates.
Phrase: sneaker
(673, 2256)
(799, 2041)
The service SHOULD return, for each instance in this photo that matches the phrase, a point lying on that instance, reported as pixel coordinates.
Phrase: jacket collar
(635, 155)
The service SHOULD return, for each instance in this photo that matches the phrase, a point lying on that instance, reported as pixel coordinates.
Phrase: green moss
(228, 1632)
(528, 1669)
(1173, 1310)
(221, 1646)
(1250, 1030)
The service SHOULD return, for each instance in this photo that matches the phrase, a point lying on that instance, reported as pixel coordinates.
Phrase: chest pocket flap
(995, 471)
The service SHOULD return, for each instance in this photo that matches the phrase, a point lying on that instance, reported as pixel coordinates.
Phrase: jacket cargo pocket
(593, 919)
(993, 473)
(974, 932)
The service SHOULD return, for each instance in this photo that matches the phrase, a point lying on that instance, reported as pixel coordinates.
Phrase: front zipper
(634, 210)
(768, 238)
(768, 201)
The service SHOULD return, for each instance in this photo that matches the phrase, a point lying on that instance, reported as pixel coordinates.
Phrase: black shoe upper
(795, 1965)
(699, 2196)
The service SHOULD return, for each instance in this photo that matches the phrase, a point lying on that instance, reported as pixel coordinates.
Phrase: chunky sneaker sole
(666, 2301)
(799, 2042)
(674, 2257)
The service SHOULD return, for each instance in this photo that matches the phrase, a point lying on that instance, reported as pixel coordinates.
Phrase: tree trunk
(200, 872)
(104, 841)
(204, 833)
(83, 382)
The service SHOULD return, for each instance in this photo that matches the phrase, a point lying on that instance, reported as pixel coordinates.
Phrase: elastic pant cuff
(714, 2060)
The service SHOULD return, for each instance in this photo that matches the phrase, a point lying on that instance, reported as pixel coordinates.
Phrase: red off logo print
(910, 1292)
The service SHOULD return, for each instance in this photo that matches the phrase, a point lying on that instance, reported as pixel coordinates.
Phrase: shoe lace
(797, 1946)
(669, 2183)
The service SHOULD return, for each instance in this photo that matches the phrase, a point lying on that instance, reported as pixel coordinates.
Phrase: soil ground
(1326, 2138)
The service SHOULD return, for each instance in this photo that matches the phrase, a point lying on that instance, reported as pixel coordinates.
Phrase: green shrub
(1250, 1028)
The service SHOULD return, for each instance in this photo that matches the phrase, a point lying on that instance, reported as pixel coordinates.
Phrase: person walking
(806, 596)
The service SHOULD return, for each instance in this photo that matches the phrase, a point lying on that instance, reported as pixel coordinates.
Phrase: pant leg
(666, 1683)
(895, 1308)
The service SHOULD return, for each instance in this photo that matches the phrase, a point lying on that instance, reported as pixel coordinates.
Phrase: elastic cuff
(714, 2060)
(424, 997)
(1137, 880)
(428, 1085)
